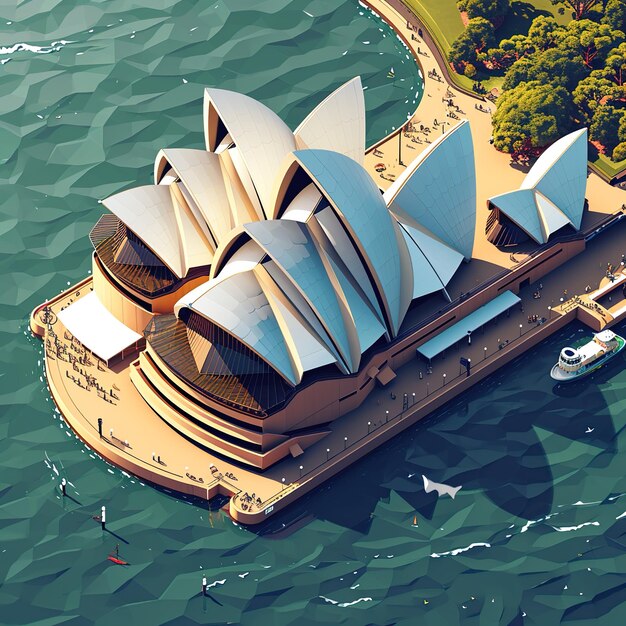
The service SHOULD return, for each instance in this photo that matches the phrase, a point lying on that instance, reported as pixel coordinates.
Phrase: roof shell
(263, 139)
(149, 212)
(437, 191)
(361, 208)
(337, 123)
(560, 174)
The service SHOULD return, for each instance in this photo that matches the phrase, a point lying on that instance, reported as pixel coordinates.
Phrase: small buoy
(425, 601)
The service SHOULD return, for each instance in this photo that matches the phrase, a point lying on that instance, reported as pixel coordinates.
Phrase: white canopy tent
(96, 328)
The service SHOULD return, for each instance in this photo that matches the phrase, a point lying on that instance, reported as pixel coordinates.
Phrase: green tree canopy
(591, 92)
(489, 9)
(619, 153)
(532, 115)
(472, 42)
(605, 126)
(615, 14)
(591, 40)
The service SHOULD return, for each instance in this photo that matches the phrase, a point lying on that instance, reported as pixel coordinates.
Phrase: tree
(580, 7)
(509, 51)
(605, 126)
(489, 9)
(615, 67)
(476, 38)
(470, 70)
(591, 92)
(531, 116)
(591, 40)
(619, 152)
(543, 33)
(615, 14)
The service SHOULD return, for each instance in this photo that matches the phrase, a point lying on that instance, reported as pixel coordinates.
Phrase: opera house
(268, 275)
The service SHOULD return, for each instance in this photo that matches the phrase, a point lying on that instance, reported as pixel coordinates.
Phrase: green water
(541, 497)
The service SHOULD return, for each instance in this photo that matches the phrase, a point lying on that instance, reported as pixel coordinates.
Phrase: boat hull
(561, 376)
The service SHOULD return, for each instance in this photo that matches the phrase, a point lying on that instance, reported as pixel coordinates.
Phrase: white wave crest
(343, 605)
(566, 529)
(55, 46)
(436, 555)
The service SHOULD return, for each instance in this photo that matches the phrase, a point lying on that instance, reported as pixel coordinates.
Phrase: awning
(470, 323)
(96, 328)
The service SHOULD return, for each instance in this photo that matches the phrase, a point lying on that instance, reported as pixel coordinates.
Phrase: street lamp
(369, 424)
(484, 353)
(444, 379)
(469, 337)
(413, 398)
(327, 453)
(282, 480)
(345, 442)
(301, 468)
(386, 416)
(520, 330)
(550, 312)
(427, 389)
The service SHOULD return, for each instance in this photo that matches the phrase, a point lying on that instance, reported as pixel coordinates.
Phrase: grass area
(609, 168)
(442, 19)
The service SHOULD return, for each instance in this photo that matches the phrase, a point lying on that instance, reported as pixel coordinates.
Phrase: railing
(410, 406)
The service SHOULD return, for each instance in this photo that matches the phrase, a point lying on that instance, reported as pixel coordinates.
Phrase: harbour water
(535, 535)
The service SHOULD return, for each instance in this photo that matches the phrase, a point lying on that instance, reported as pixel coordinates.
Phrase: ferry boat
(574, 363)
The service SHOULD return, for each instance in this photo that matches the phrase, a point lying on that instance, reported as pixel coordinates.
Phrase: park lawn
(610, 168)
(441, 17)
(444, 20)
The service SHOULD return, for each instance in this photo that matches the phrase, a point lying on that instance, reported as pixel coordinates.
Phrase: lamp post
(444, 380)
(369, 425)
(549, 312)
(301, 468)
(282, 481)
(469, 337)
(413, 402)
(484, 353)
(520, 330)
(427, 389)
(386, 416)
(327, 453)
(345, 443)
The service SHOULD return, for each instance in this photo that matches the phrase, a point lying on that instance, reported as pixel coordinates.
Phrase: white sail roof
(149, 212)
(337, 123)
(263, 139)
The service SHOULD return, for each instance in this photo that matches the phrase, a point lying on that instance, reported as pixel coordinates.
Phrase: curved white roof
(520, 207)
(434, 263)
(291, 246)
(262, 138)
(560, 174)
(438, 190)
(239, 306)
(359, 204)
(201, 174)
(337, 123)
(149, 212)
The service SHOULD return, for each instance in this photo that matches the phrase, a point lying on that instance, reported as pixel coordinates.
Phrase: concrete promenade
(140, 438)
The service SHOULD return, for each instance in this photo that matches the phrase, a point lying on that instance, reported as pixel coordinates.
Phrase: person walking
(100, 427)
(204, 585)
(103, 517)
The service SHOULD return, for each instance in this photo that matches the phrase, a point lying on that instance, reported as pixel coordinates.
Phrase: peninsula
(276, 306)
